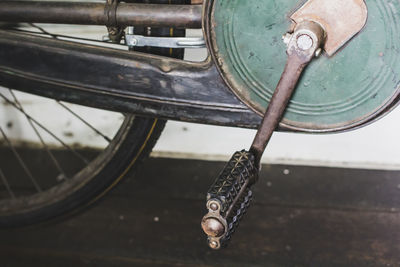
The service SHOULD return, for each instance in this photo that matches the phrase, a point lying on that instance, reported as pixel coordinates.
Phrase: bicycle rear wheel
(26, 198)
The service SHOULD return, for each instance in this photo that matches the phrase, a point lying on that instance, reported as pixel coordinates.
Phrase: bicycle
(354, 82)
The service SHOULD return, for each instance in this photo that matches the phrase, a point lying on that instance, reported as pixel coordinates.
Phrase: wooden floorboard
(302, 216)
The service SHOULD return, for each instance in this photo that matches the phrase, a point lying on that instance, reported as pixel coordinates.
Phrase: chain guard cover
(356, 85)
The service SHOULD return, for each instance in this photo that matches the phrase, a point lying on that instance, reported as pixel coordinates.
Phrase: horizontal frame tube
(127, 14)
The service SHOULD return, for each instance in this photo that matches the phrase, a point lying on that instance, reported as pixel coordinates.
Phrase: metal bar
(276, 108)
(170, 42)
(305, 41)
(153, 15)
(127, 14)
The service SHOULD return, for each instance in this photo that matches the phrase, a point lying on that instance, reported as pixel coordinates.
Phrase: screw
(213, 244)
(133, 42)
(304, 42)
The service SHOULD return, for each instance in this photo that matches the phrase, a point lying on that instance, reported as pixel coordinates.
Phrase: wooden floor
(301, 216)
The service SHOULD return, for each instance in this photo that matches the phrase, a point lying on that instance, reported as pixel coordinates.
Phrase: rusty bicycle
(335, 69)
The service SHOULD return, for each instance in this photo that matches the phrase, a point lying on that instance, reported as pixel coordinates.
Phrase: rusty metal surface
(126, 14)
(341, 19)
(299, 55)
(185, 16)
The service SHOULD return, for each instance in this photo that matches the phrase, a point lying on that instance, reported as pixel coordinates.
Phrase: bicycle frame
(132, 82)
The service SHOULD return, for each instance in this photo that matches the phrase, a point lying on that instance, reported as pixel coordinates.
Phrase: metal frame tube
(152, 15)
(127, 14)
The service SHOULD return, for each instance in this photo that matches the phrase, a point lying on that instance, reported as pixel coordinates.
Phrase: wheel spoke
(6, 184)
(45, 129)
(21, 162)
(84, 121)
(51, 155)
(58, 36)
(43, 30)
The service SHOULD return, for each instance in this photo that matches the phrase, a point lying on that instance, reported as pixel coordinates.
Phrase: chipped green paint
(335, 92)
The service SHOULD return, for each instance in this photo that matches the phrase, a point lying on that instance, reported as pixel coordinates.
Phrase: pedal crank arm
(304, 44)
(230, 195)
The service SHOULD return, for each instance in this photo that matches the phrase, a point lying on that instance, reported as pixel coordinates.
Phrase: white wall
(376, 146)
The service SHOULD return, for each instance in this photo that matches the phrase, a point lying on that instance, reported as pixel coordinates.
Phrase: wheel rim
(18, 202)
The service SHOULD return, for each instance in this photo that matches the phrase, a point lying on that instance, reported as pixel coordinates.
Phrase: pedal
(228, 198)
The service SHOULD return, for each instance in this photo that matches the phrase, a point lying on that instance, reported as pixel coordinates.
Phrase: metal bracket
(132, 40)
(341, 19)
(115, 32)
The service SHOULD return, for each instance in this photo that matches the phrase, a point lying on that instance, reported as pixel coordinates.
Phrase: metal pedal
(230, 195)
(228, 198)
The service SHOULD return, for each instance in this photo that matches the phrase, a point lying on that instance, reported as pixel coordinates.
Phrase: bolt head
(286, 38)
(304, 42)
(318, 52)
(214, 206)
(213, 244)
